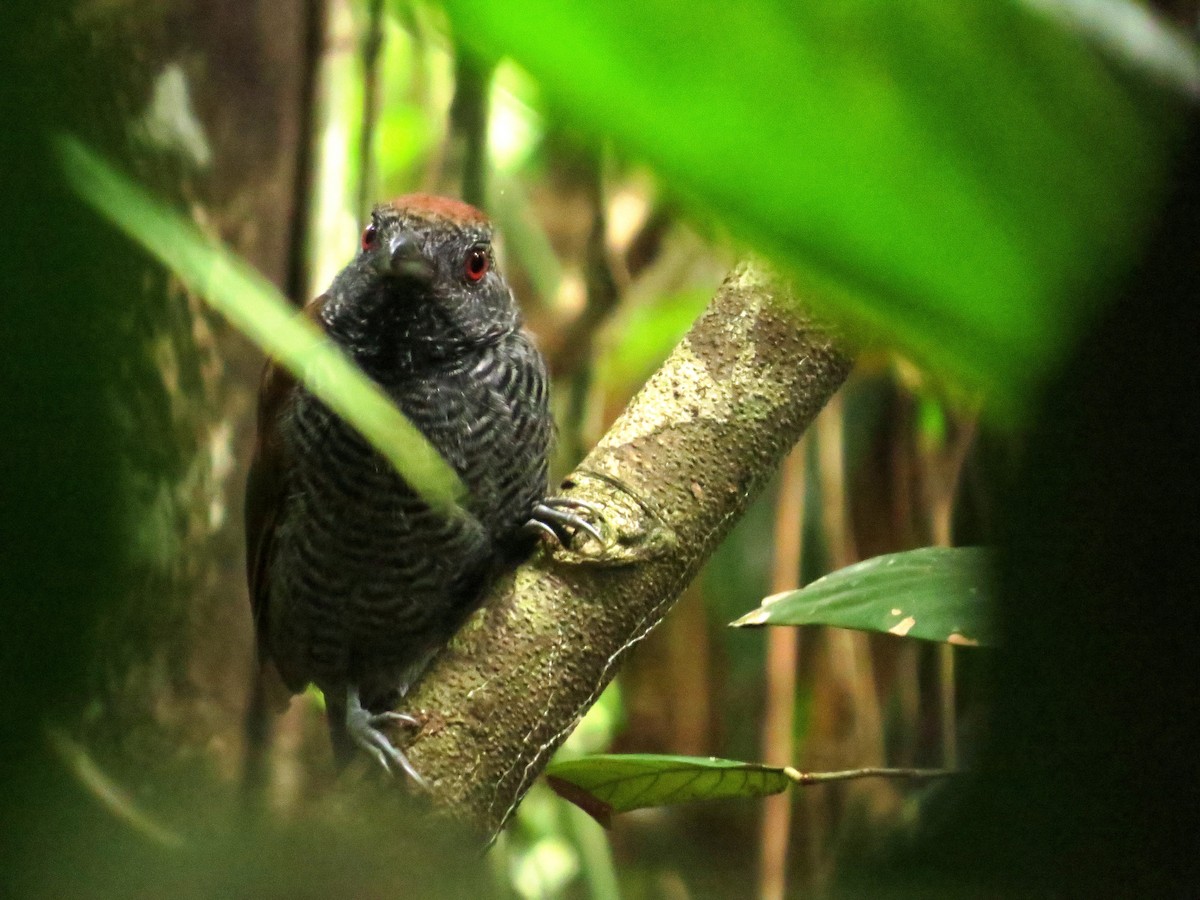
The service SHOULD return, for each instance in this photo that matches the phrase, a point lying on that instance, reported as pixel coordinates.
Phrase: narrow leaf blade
(255, 307)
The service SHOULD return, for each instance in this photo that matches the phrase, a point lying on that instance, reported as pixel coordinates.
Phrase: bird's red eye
(370, 237)
(476, 264)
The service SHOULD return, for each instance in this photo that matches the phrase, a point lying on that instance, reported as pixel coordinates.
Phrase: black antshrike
(354, 582)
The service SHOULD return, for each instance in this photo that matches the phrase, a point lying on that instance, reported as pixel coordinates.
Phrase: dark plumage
(354, 581)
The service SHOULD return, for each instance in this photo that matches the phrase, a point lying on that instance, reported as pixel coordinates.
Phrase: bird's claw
(557, 518)
(397, 718)
(364, 730)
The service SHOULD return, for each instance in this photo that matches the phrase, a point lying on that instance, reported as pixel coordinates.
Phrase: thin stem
(847, 654)
(783, 647)
(469, 124)
(849, 651)
(807, 778)
(371, 54)
(948, 703)
(297, 286)
(943, 478)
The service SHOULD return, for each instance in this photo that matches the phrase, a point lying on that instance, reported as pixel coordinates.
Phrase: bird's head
(424, 284)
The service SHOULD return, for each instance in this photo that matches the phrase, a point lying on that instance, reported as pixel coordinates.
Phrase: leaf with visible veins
(606, 784)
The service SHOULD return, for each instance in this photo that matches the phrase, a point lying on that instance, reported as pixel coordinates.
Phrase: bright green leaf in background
(966, 177)
(645, 336)
(936, 593)
(255, 307)
(607, 784)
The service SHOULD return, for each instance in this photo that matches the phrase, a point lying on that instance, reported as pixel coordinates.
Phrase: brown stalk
(942, 476)
(372, 53)
(783, 647)
(847, 654)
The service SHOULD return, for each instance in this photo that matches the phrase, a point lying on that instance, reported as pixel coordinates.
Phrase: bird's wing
(525, 395)
(266, 487)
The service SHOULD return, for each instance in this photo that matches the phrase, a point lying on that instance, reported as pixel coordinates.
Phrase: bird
(355, 581)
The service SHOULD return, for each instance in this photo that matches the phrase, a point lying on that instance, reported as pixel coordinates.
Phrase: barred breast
(367, 579)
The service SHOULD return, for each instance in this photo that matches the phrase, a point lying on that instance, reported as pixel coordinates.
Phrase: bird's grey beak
(405, 260)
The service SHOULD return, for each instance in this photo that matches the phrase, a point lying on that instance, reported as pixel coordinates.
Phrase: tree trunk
(125, 626)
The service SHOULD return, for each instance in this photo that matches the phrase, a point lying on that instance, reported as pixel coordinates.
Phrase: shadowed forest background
(1000, 208)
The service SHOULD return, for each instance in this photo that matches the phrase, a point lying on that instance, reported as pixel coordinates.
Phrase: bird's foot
(560, 519)
(363, 727)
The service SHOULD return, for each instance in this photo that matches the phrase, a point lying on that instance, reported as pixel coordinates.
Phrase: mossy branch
(673, 474)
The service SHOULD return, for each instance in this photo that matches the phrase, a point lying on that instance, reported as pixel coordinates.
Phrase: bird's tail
(268, 697)
(339, 735)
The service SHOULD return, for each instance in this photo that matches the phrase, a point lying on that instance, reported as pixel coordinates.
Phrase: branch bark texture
(674, 474)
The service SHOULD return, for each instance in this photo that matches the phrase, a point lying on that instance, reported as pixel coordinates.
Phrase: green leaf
(645, 336)
(607, 784)
(969, 179)
(936, 593)
(255, 307)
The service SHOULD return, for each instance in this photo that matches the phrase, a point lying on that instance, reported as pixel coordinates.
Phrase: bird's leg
(559, 519)
(363, 727)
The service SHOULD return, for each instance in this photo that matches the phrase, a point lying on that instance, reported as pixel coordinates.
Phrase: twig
(807, 778)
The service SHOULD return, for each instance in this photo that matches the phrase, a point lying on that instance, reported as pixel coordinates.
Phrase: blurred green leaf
(646, 334)
(404, 135)
(931, 421)
(603, 785)
(255, 307)
(967, 178)
(524, 238)
(936, 593)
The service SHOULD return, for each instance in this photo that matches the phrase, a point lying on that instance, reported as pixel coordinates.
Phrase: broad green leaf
(936, 593)
(256, 309)
(969, 179)
(607, 784)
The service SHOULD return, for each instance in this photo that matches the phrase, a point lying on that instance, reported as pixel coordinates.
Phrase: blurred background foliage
(965, 188)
